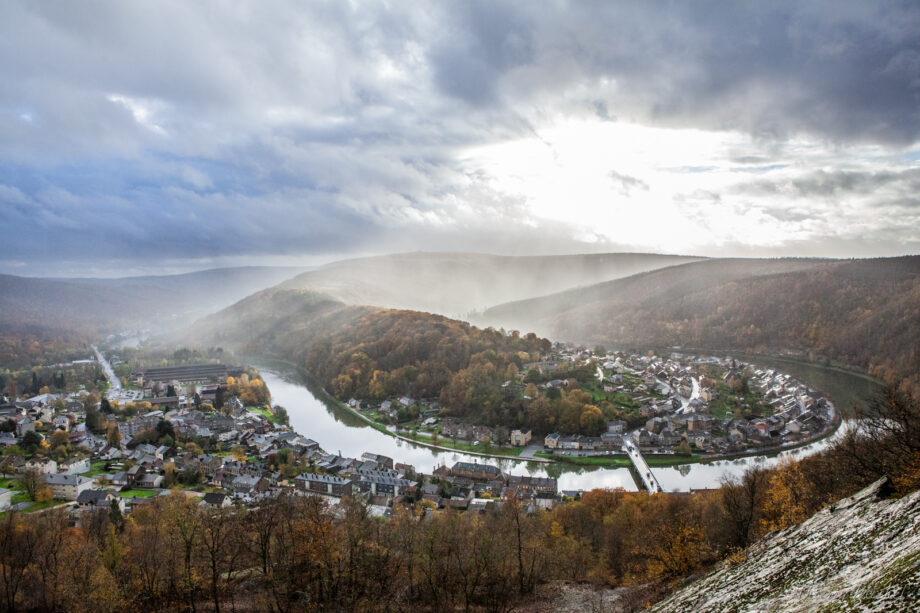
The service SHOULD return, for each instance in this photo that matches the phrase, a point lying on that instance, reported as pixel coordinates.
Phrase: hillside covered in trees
(373, 354)
(862, 313)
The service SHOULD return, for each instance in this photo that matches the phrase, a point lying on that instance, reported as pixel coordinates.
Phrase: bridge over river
(645, 473)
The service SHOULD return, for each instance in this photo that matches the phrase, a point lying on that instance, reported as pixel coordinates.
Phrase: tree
(31, 482)
(105, 406)
(11, 388)
(887, 441)
(60, 438)
(113, 435)
(788, 498)
(741, 499)
(95, 421)
(30, 441)
(592, 420)
(169, 473)
(165, 428)
(238, 454)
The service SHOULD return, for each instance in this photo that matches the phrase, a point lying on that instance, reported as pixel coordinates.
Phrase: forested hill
(455, 283)
(865, 313)
(377, 353)
(362, 350)
(109, 305)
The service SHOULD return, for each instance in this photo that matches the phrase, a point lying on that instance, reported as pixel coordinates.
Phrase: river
(337, 430)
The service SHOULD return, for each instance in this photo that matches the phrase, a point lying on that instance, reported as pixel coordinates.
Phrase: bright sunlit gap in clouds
(628, 183)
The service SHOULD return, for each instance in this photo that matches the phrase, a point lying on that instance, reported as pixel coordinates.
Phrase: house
(6, 498)
(149, 481)
(472, 470)
(145, 449)
(67, 487)
(520, 438)
(383, 485)
(45, 466)
(381, 460)
(118, 479)
(324, 484)
(699, 423)
(99, 499)
(551, 441)
(249, 485)
(215, 500)
(75, 466)
(26, 424)
(523, 483)
(163, 452)
(133, 474)
(617, 426)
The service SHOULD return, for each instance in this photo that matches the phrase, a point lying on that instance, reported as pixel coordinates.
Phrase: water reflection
(338, 430)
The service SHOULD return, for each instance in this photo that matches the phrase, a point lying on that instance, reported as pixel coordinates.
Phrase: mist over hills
(456, 283)
(110, 305)
(274, 322)
(863, 313)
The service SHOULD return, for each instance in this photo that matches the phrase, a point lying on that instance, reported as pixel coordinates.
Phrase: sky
(142, 137)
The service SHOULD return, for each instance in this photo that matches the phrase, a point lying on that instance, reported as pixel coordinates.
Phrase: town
(199, 438)
(678, 406)
(209, 430)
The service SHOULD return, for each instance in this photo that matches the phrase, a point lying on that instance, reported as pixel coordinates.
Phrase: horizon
(311, 133)
(307, 267)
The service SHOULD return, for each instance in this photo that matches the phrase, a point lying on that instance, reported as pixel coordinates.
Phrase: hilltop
(455, 283)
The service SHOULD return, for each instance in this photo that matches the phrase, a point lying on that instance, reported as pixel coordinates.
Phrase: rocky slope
(860, 554)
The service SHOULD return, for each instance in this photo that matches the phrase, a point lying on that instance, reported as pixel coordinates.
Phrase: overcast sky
(155, 136)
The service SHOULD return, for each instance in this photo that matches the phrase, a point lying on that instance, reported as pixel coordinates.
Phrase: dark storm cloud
(197, 130)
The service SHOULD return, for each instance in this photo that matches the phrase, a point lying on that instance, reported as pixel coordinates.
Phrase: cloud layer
(134, 133)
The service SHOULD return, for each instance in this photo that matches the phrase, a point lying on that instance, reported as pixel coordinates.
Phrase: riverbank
(510, 453)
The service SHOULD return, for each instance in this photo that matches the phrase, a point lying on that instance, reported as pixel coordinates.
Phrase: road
(648, 479)
(114, 382)
(530, 451)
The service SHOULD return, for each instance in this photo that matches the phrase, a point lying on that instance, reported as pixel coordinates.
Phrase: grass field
(266, 413)
(138, 493)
